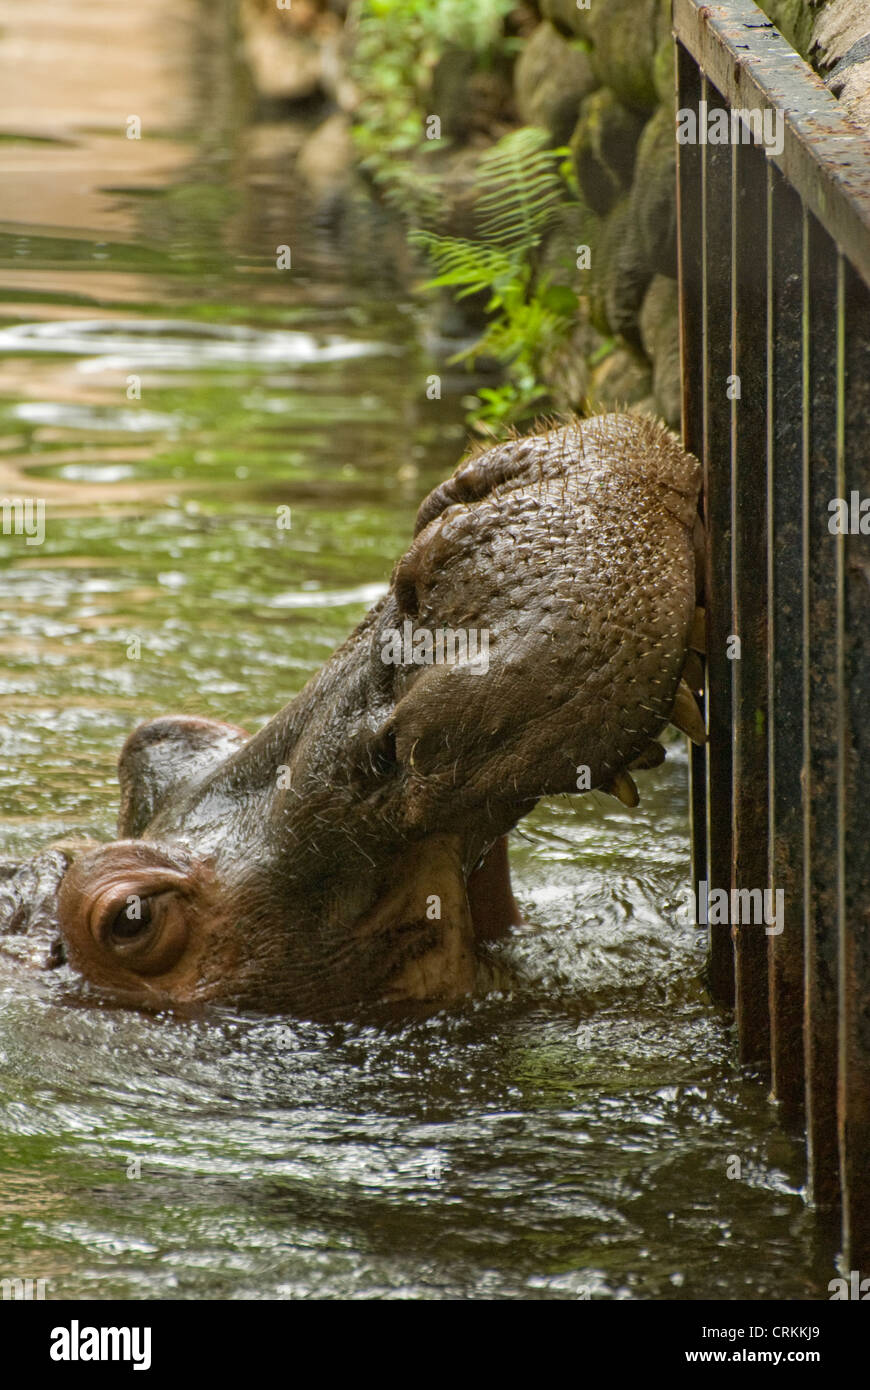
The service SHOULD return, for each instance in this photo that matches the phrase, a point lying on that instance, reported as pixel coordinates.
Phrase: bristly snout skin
(352, 851)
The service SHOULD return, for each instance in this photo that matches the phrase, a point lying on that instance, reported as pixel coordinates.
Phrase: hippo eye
(147, 934)
(131, 921)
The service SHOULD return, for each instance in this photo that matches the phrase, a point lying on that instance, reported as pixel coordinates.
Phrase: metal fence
(774, 266)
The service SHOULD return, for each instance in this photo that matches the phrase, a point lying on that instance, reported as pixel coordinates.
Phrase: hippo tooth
(686, 716)
(693, 672)
(623, 788)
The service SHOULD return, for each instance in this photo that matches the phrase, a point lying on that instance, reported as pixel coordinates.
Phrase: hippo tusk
(623, 788)
(686, 716)
(693, 672)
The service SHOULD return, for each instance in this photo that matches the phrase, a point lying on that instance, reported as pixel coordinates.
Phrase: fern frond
(472, 264)
(520, 190)
(531, 331)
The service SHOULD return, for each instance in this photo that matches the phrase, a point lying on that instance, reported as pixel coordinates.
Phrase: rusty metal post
(785, 629)
(820, 696)
(854, 867)
(690, 276)
(749, 587)
(716, 458)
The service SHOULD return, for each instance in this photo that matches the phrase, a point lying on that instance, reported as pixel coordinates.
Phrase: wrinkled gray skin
(351, 852)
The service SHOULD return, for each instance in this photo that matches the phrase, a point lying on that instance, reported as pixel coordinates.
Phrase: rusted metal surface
(749, 799)
(689, 252)
(716, 458)
(824, 156)
(854, 865)
(780, 286)
(785, 634)
(821, 694)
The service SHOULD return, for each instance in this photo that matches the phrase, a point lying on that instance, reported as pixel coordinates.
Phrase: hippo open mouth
(353, 851)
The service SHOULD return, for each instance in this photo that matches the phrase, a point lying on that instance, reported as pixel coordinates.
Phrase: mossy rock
(640, 240)
(559, 257)
(567, 371)
(611, 233)
(603, 148)
(450, 79)
(654, 193)
(625, 38)
(660, 335)
(664, 73)
(468, 100)
(627, 278)
(567, 18)
(551, 79)
(624, 378)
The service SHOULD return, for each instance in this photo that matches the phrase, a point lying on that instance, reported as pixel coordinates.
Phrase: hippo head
(531, 643)
(228, 883)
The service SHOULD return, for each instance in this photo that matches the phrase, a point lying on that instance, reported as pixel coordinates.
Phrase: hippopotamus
(353, 852)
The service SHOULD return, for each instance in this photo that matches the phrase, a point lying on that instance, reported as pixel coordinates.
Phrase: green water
(569, 1136)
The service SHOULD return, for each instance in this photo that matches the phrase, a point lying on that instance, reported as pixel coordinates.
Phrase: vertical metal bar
(689, 255)
(821, 700)
(749, 588)
(854, 1041)
(785, 629)
(716, 234)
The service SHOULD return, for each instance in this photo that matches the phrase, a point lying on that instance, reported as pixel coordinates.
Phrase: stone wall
(601, 81)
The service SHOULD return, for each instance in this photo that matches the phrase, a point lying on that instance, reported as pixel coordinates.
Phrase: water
(571, 1135)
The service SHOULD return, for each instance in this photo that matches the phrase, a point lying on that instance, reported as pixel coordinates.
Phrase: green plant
(399, 44)
(523, 189)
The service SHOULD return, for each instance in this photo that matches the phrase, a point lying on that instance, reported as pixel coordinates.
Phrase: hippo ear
(161, 755)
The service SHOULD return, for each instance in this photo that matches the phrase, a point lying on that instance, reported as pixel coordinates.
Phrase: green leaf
(519, 189)
(559, 299)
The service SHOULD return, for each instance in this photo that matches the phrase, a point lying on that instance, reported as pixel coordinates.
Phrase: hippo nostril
(383, 751)
(406, 595)
(405, 578)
